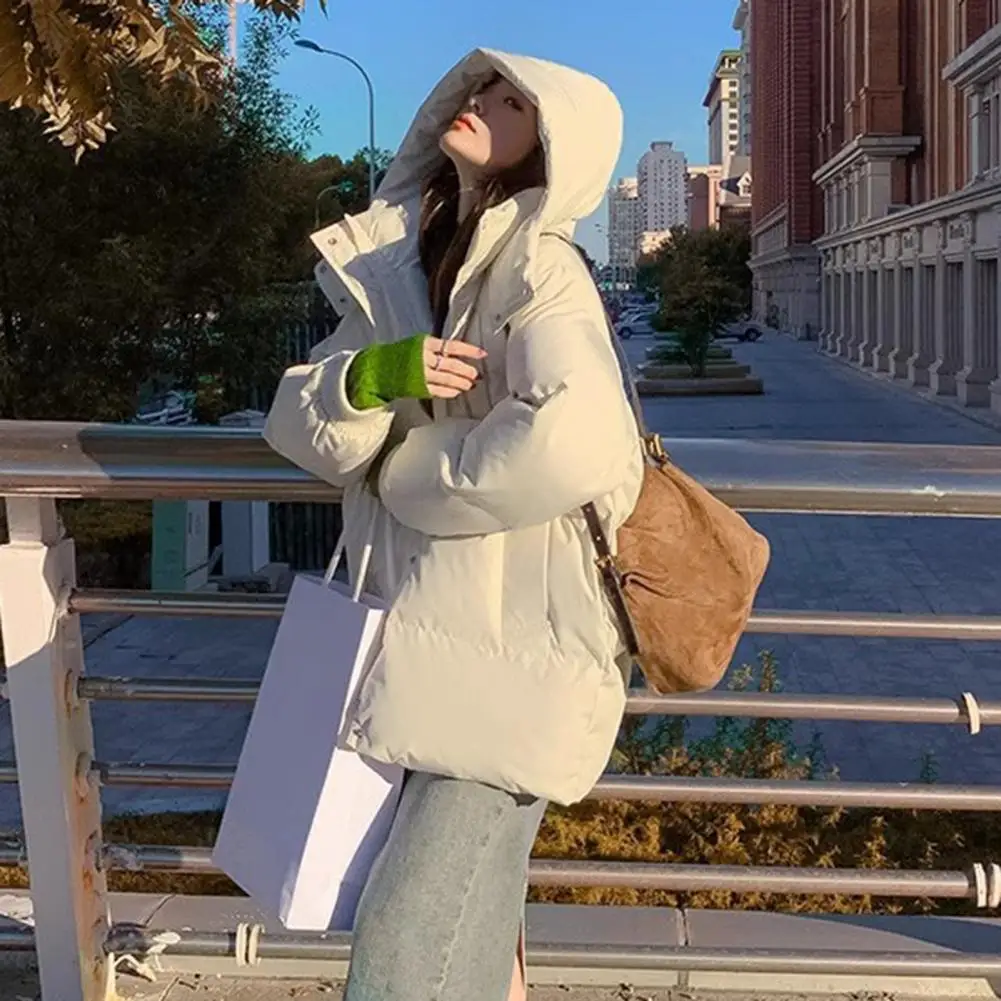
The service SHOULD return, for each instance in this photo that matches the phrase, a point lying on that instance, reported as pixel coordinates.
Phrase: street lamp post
(319, 198)
(305, 43)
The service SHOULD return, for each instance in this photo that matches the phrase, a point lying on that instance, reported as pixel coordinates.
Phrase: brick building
(720, 193)
(786, 210)
(910, 174)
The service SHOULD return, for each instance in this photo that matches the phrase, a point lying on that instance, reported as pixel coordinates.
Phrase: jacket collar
(354, 249)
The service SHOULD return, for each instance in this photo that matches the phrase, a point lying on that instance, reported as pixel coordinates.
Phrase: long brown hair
(444, 241)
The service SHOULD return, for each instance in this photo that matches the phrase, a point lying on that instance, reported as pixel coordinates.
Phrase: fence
(60, 780)
(303, 535)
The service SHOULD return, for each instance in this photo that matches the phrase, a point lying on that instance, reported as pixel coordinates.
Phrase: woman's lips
(462, 122)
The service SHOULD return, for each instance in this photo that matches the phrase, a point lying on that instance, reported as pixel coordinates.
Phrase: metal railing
(60, 780)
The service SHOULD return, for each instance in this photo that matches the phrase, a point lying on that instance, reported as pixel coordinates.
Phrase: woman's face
(496, 130)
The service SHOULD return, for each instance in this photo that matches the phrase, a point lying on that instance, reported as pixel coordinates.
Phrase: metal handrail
(757, 705)
(652, 788)
(43, 461)
(63, 459)
(677, 877)
(336, 947)
(886, 625)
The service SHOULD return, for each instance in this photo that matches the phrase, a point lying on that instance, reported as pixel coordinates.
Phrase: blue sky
(655, 54)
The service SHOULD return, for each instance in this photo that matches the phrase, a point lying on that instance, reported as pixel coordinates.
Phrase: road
(846, 564)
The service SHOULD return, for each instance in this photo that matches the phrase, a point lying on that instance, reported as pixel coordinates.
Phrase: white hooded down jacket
(501, 661)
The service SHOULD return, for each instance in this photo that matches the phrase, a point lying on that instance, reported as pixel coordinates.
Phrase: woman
(469, 404)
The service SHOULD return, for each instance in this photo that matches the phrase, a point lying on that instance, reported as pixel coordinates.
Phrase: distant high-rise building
(723, 103)
(624, 226)
(662, 188)
(742, 23)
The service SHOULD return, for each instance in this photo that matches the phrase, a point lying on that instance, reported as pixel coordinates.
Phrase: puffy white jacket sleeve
(312, 422)
(562, 437)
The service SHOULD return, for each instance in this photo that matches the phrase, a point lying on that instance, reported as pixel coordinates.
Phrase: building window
(984, 136)
(986, 316)
(958, 32)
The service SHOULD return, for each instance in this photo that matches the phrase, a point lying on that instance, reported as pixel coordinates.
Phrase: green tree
(167, 255)
(705, 283)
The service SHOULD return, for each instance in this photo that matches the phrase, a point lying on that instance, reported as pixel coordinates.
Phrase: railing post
(53, 740)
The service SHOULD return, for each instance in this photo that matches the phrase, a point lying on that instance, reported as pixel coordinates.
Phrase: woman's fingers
(450, 380)
(452, 366)
(453, 349)
(446, 373)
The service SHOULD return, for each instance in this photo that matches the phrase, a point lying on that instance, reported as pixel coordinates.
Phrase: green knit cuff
(382, 373)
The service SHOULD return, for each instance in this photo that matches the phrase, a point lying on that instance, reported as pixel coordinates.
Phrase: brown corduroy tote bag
(685, 572)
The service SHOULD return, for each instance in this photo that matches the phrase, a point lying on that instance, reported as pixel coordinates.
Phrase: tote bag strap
(363, 564)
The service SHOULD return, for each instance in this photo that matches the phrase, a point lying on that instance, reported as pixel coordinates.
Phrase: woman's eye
(513, 102)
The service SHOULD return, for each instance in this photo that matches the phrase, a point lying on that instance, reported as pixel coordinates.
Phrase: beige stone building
(651, 240)
(911, 180)
(722, 104)
(742, 23)
(624, 228)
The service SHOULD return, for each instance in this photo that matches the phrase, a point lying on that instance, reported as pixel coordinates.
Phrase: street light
(305, 43)
(319, 198)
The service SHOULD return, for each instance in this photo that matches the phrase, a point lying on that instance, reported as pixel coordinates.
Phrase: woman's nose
(475, 105)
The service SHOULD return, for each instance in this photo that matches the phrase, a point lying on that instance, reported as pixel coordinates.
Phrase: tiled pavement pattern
(865, 564)
(877, 564)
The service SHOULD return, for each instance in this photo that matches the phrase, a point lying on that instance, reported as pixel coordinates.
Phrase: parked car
(742, 330)
(636, 322)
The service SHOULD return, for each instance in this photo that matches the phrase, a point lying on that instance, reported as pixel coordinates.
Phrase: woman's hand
(447, 369)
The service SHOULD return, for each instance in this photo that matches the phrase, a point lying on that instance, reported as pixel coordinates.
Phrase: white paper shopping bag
(305, 817)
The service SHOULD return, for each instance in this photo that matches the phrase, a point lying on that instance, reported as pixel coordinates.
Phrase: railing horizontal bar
(177, 604)
(870, 709)
(336, 947)
(62, 459)
(831, 962)
(167, 689)
(758, 792)
(753, 879)
(879, 624)
(17, 940)
(630, 875)
(811, 623)
(655, 788)
(774, 705)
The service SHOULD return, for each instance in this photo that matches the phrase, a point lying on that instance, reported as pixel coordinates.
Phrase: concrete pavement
(879, 564)
(24, 987)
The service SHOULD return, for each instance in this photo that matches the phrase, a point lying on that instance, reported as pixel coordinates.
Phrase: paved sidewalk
(24, 987)
(879, 564)
(848, 564)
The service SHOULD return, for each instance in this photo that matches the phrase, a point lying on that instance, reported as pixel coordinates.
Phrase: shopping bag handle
(364, 563)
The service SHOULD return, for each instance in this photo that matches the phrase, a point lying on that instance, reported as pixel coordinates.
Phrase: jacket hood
(580, 127)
